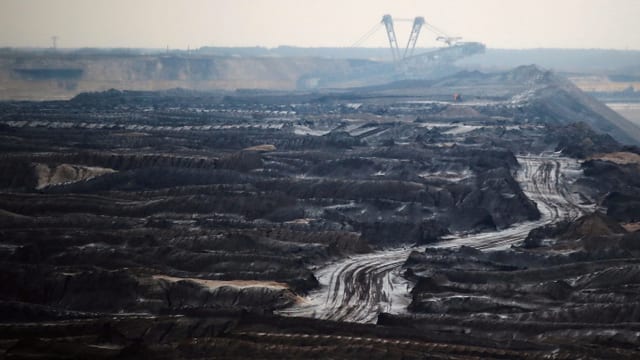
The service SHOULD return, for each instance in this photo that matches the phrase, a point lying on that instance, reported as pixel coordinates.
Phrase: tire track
(358, 288)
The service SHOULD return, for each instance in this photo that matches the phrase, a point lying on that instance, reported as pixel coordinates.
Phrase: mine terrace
(384, 221)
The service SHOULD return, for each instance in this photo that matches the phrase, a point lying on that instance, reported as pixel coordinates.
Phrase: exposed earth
(379, 222)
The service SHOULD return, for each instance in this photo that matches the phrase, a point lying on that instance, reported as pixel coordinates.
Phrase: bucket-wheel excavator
(454, 50)
(405, 64)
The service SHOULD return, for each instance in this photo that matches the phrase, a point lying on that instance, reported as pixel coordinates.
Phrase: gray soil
(183, 225)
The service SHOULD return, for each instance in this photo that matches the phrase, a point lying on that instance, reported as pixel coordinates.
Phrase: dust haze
(196, 23)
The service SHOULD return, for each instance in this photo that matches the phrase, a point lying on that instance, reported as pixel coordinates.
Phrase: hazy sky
(196, 23)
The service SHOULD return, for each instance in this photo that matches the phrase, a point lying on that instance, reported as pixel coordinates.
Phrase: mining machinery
(405, 64)
(454, 50)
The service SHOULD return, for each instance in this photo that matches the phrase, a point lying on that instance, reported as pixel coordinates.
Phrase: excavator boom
(391, 34)
(418, 22)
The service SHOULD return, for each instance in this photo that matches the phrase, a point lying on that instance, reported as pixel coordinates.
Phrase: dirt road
(358, 288)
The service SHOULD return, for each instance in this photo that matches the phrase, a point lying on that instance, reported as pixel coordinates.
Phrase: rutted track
(545, 179)
(358, 288)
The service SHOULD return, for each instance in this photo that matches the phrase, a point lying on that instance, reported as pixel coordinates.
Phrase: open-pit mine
(473, 216)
